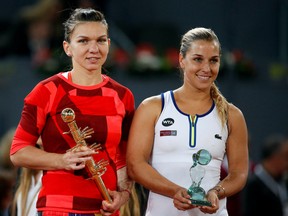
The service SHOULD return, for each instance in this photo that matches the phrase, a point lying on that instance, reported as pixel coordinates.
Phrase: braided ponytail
(220, 102)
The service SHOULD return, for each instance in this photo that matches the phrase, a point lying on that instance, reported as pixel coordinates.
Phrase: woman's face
(88, 46)
(201, 64)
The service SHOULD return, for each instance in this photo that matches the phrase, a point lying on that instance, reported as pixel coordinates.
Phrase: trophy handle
(100, 184)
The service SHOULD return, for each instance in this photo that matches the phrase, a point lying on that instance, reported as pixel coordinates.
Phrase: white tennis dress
(177, 137)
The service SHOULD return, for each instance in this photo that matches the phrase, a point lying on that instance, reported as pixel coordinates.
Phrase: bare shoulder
(235, 117)
(149, 108)
(234, 111)
(153, 102)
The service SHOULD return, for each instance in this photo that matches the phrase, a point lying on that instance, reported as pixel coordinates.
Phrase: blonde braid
(220, 102)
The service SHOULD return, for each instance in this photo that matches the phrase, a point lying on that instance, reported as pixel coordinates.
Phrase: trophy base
(200, 202)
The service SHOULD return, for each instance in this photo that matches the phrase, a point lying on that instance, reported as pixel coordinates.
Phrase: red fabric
(108, 108)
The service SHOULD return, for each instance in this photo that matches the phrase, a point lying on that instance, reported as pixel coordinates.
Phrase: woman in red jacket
(99, 103)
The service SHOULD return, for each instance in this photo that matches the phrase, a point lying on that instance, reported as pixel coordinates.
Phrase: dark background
(256, 29)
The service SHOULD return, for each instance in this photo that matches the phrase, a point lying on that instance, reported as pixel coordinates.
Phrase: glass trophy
(197, 173)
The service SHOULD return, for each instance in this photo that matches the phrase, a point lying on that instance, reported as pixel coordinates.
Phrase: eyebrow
(85, 36)
(199, 55)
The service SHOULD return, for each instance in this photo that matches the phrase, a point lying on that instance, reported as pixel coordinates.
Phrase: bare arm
(34, 158)
(140, 145)
(124, 182)
(237, 154)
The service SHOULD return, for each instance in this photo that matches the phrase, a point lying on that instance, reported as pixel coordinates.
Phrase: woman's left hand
(212, 197)
(118, 199)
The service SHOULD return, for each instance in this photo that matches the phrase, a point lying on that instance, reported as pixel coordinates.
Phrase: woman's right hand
(75, 160)
(181, 200)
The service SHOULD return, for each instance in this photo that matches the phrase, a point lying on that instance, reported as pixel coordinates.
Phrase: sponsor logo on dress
(168, 122)
(168, 133)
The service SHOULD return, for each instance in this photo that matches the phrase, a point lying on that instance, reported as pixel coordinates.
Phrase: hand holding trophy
(94, 169)
(197, 173)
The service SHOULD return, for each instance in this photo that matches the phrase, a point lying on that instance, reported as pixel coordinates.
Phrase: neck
(85, 79)
(194, 94)
(192, 102)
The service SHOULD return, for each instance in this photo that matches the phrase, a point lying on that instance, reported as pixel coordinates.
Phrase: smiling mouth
(93, 59)
(203, 77)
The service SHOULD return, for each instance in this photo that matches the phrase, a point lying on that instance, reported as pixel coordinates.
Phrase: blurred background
(145, 37)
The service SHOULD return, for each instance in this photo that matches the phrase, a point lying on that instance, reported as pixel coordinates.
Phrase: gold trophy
(95, 169)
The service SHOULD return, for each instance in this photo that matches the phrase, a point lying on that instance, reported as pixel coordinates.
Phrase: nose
(93, 47)
(206, 66)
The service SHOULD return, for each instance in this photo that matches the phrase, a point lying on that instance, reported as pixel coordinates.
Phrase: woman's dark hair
(81, 15)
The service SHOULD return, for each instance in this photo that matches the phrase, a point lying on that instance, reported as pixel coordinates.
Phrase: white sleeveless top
(177, 138)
